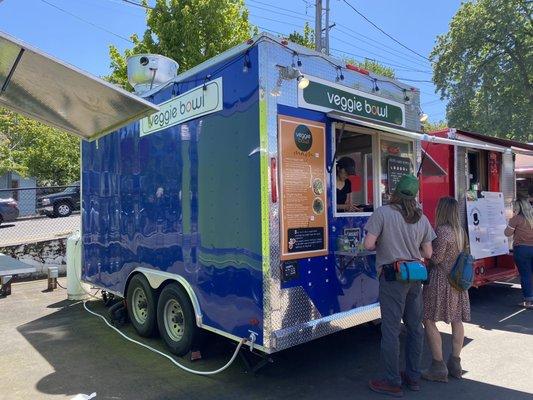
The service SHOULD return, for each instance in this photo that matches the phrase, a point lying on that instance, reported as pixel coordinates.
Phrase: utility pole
(318, 26)
(326, 28)
(322, 30)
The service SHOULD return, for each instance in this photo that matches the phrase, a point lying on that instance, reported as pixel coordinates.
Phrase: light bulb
(423, 117)
(303, 82)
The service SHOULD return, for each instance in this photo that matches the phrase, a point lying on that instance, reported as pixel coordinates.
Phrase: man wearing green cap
(399, 231)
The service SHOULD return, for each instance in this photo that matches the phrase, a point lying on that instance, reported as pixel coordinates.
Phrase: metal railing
(35, 214)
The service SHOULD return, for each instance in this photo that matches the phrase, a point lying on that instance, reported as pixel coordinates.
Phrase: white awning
(60, 95)
(416, 135)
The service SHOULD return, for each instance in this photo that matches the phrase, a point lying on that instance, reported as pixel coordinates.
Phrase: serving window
(363, 157)
(396, 158)
(353, 172)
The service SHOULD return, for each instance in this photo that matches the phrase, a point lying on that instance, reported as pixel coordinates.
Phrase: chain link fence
(36, 214)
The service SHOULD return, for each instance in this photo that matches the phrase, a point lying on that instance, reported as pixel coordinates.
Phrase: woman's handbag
(410, 271)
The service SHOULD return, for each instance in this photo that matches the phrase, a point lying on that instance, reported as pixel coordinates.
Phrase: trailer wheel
(141, 306)
(175, 320)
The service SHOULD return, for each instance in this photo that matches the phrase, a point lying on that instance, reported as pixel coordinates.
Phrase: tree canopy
(484, 65)
(188, 31)
(33, 149)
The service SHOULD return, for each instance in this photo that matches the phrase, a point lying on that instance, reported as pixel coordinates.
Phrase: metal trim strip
(315, 329)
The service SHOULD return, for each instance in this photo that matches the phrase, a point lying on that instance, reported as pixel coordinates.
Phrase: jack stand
(251, 366)
(5, 285)
(53, 273)
(195, 355)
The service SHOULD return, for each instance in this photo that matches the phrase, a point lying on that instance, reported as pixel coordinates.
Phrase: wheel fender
(157, 278)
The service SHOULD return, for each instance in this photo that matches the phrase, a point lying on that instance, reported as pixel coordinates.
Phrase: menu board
(396, 168)
(486, 223)
(302, 177)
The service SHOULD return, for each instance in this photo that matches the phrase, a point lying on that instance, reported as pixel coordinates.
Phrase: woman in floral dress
(442, 302)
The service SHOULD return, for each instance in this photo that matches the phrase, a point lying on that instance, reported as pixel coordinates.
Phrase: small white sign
(189, 105)
(486, 223)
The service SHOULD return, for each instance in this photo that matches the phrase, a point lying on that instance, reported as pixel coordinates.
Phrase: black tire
(141, 304)
(62, 209)
(1, 219)
(174, 297)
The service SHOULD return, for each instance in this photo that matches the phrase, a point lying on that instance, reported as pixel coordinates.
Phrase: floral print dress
(441, 301)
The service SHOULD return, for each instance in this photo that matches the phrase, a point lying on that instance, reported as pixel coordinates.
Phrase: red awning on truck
(60, 95)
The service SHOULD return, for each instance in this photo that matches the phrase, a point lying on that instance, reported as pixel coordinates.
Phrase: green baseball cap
(407, 187)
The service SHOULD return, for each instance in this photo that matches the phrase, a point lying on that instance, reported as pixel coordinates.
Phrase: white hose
(192, 371)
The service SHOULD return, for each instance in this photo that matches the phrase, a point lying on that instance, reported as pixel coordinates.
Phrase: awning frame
(416, 135)
(80, 104)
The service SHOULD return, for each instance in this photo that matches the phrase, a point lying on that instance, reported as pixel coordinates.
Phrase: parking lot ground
(53, 349)
(37, 229)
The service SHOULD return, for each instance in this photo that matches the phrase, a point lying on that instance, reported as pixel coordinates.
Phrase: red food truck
(482, 179)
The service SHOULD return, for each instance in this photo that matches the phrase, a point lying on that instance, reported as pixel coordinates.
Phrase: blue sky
(82, 32)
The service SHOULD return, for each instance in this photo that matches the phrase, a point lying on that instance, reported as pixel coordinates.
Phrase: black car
(9, 210)
(60, 204)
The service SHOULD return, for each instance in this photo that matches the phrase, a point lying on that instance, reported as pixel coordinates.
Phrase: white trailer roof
(60, 95)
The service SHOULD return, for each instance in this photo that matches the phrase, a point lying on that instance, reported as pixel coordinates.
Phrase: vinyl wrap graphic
(302, 180)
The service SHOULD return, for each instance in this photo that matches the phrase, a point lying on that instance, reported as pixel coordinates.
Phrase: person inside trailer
(345, 169)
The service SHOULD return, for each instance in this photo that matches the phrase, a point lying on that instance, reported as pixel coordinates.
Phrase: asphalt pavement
(53, 349)
(37, 229)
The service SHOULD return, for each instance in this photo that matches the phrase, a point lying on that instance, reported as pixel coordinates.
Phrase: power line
(146, 6)
(382, 31)
(380, 60)
(415, 80)
(87, 22)
(346, 30)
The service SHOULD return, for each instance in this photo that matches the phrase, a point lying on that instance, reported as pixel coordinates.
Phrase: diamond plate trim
(307, 331)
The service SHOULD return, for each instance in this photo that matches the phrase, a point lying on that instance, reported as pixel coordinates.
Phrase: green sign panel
(325, 96)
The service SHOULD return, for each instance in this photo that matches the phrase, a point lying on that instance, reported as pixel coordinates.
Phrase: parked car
(9, 210)
(60, 204)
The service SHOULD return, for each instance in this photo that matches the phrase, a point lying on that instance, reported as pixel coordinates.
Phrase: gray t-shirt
(397, 240)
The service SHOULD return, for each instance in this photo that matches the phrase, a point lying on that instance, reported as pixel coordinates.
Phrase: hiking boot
(412, 384)
(454, 367)
(384, 387)
(437, 372)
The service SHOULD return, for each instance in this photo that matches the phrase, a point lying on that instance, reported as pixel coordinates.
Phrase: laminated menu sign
(396, 168)
(486, 223)
(302, 177)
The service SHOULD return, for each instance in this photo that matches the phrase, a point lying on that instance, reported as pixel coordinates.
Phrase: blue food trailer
(219, 211)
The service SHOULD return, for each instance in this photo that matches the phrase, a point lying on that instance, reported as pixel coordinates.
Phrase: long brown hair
(409, 208)
(522, 207)
(447, 213)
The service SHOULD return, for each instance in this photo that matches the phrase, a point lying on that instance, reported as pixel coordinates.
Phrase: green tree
(430, 126)
(33, 149)
(188, 31)
(484, 65)
(372, 66)
(307, 38)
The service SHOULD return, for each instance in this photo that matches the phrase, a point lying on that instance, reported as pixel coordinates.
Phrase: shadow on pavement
(87, 356)
(496, 307)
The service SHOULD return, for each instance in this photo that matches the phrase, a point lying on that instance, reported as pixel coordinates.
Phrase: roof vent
(148, 71)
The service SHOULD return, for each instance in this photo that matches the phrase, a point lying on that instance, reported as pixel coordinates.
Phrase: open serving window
(362, 157)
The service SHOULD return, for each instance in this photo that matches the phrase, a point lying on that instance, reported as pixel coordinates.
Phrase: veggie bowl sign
(182, 108)
(325, 96)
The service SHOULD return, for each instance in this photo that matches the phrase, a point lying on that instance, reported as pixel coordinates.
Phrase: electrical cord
(183, 367)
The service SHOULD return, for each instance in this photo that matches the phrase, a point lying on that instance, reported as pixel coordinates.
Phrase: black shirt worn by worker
(342, 194)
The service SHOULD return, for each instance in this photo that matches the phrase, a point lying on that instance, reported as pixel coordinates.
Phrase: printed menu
(302, 170)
